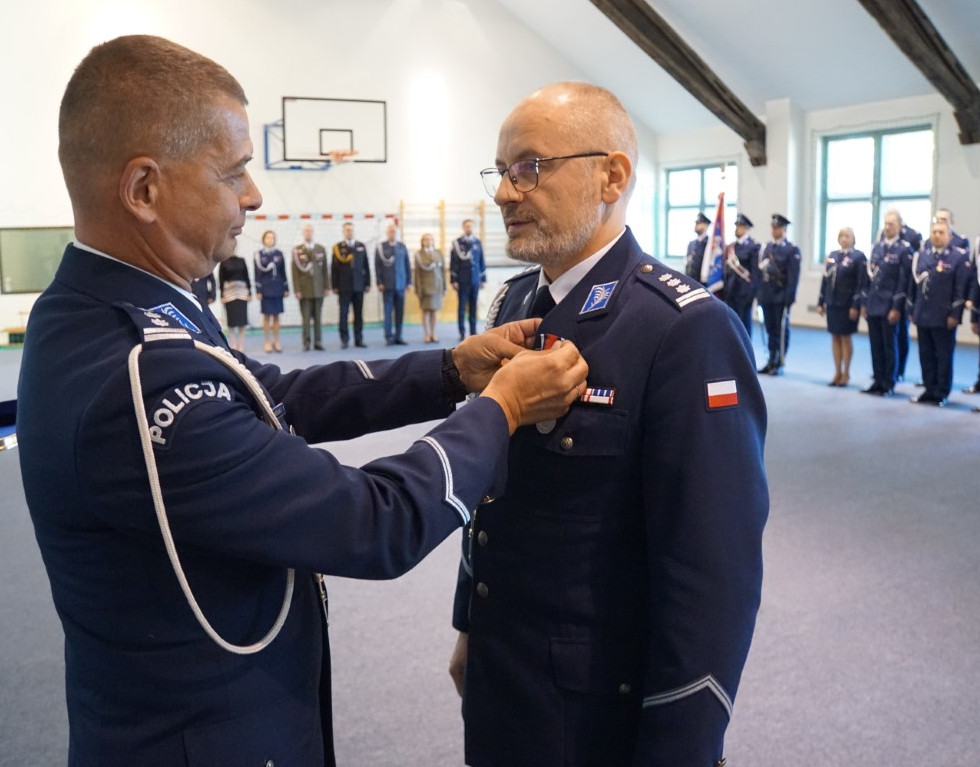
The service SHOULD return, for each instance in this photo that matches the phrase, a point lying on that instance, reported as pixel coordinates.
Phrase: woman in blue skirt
(271, 287)
(840, 301)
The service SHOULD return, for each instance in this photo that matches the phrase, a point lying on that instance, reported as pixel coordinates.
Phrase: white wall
(450, 71)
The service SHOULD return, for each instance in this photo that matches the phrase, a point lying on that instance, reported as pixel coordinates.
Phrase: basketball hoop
(338, 156)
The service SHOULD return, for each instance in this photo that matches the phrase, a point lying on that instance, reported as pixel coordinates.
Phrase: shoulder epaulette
(498, 299)
(679, 289)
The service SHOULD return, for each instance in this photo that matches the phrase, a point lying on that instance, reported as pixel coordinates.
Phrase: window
(866, 174)
(30, 257)
(691, 190)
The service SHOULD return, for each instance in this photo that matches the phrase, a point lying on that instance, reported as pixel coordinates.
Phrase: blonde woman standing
(430, 285)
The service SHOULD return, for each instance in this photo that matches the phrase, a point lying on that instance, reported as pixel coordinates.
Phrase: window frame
(709, 206)
(877, 200)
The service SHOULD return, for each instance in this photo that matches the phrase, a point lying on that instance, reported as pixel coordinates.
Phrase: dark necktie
(543, 302)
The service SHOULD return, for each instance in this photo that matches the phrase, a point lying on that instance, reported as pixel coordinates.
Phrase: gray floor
(866, 647)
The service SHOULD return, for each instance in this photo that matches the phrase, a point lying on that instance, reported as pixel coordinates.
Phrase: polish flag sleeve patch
(721, 395)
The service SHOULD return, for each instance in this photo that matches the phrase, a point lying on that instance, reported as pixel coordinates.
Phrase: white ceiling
(818, 53)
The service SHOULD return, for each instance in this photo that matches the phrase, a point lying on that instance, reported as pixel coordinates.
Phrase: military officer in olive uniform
(940, 279)
(778, 275)
(696, 247)
(311, 282)
(350, 277)
(741, 266)
(606, 597)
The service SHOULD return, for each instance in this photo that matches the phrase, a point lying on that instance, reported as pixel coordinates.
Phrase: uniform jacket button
(269, 763)
(625, 688)
(646, 268)
(487, 499)
(482, 538)
(567, 443)
(482, 590)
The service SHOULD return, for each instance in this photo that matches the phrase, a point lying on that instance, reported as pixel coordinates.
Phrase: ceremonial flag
(712, 267)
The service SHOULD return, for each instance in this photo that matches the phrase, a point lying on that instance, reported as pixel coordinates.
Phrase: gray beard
(549, 249)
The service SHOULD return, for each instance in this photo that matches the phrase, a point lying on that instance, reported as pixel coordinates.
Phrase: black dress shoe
(344, 345)
(767, 370)
(318, 347)
(400, 342)
(776, 371)
(940, 402)
(921, 399)
(361, 345)
(873, 389)
(972, 389)
(887, 392)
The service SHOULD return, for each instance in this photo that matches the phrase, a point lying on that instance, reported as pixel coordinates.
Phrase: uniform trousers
(309, 309)
(936, 347)
(743, 309)
(776, 318)
(353, 301)
(394, 301)
(884, 351)
(467, 300)
(903, 344)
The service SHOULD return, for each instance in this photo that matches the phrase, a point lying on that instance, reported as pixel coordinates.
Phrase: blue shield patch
(598, 297)
(172, 311)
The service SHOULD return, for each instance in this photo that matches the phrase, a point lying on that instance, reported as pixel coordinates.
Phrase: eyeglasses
(523, 174)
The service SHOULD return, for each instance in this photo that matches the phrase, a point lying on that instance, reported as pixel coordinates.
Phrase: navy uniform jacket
(392, 267)
(779, 273)
(466, 262)
(843, 277)
(695, 256)
(940, 282)
(270, 273)
(349, 270)
(144, 683)
(887, 277)
(741, 287)
(974, 294)
(610, 593)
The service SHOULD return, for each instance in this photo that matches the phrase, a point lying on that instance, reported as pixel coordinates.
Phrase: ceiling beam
(657, 38)
(910, 28)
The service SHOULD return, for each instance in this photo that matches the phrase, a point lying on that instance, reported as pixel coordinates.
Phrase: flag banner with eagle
(713, 264)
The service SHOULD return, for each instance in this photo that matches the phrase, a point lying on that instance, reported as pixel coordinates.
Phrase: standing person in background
(350, 277)
(236, 292)
(940, 279)
(914, 239)
(696, 247)
(204, 290)
(741, 266)
(779, 275)
(393, 273)
(311, 282)
(840, 301)
(271, 287)
(884, 300)
(467, 272)
(606, 598)
(430, 285)
(974, 295)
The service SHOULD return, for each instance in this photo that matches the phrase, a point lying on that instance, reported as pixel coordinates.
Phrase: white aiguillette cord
(248, 379)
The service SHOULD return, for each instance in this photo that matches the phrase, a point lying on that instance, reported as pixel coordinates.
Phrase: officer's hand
(479, 357)
(457, 661)
(258, 296)
(455, 286)
(299, 295)
(820, 310)
(539, 386)
(975, 327)
(893, 316)
(853, 314)
(951, 323)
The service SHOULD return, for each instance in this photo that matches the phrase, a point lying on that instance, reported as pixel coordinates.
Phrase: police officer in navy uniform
(393, 273)
(582, 639)
(940, 278)
(884, 295)
(974, 296)
(914, 239)
(741, 267)
(467, 274)
(179, 519)
(779, 275)
(350, 277)
(696, 247)
(204, 289)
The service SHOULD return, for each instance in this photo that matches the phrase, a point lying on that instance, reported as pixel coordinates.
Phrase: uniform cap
(743, 220)
(702, 219)
(778, 219)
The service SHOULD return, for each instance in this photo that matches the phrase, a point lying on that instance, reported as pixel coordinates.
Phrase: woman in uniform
(840, 301)
(271, 287)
